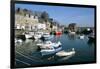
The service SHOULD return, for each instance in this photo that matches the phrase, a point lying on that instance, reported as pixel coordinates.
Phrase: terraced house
(27, 20)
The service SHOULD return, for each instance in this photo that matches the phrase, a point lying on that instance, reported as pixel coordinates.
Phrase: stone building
(25, 20)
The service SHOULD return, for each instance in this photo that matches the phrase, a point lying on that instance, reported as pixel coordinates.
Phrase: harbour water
(27, 53)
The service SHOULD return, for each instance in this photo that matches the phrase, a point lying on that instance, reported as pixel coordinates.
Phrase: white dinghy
(64, 53)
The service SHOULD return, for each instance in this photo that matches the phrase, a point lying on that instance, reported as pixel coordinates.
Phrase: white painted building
(41, 26)
(25, 22)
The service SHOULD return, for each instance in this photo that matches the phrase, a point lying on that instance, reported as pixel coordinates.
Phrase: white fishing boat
(47, 50)
(48, 47)
(49, 43)
(29, 34)
(72, 32)
(18, 40)
(81, 36)
(91, 38)
(64, 53)
(46, 35)
(38, 35)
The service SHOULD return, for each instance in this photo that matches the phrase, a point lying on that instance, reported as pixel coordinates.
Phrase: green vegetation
(86, 32)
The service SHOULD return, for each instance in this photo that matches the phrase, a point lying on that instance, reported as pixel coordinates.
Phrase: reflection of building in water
(71, 36)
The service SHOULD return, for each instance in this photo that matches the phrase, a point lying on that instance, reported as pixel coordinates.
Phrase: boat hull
(28, 36)
(58, 33)
(91, 39)
(50, 52)
(64, 54)
(46, 38)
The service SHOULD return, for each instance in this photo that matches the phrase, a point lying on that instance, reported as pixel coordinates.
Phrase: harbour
(43, 37)
(29, 50)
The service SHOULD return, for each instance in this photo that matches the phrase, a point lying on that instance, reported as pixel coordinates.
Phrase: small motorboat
(50, 50)
(91, 37)
(64, 53)
(18, 40)
(29, 34)
(48, 47)
(72, 32)
(46, 36)
(38, 35)
(47, 51)
(81, 36)
(49, 43)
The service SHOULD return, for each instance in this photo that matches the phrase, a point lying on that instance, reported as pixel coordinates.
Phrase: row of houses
(26, 20)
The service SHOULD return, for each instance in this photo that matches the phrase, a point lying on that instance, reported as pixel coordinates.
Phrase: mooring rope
(26, 56)
(22, 62)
